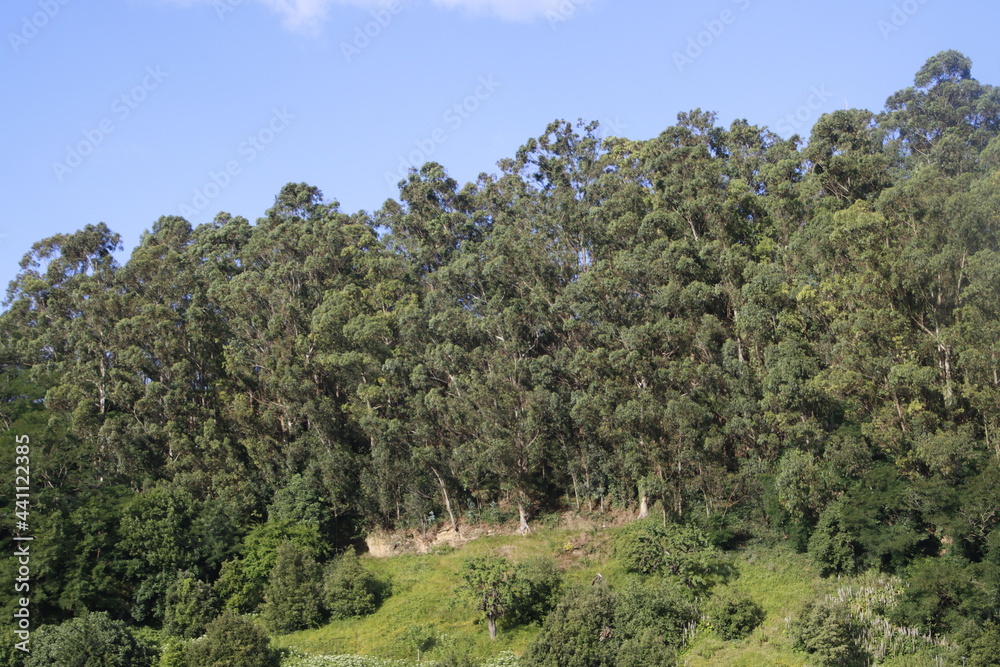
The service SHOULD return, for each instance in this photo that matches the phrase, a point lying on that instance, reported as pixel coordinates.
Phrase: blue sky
(125, 110)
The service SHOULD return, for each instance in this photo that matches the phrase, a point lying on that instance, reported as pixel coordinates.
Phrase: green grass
(426, 591)
(779, 580)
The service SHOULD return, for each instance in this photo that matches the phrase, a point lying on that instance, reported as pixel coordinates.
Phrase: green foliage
(90, 640)
(984, 651)
(826, 630)
(833, 543)
(801, 487)
(662, 607)
(734, 616)
(173, 654)
(292, 597)
(577, 631)
(942, 593)
(341, 661)
(768, 340)
(420, 638)
(681, 551)
(242, 580)
(495, 587)
(229, 641)
(191, 605)
(350, 590)
(542, 582)
(647, 649)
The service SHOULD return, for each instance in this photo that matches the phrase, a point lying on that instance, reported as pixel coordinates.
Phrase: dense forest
(754, 338)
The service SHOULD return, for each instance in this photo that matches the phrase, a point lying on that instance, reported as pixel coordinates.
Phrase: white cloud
(308, 15)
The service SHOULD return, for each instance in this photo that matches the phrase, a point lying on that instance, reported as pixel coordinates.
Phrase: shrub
(292, 596)
(349, 589)
(646, 650)
(825, 628)
(647, 547)
(91, 640)
(734, 616)
(834, 544)
(578, 632)
(542, 581)
(230, 641)
(663, 607)
(242, 581)
(985, 650)
(191, 605)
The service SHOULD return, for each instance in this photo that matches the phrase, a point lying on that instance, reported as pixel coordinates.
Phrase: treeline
(767, 337)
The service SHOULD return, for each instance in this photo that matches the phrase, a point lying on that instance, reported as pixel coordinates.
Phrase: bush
(190, 606)
(349, 590)
(232, 641)
(647, 547)
(834, 544)
(173, 654)
(734, 616)
(242, 581)
(825, 628)
(542, 581)
(292, 596)
(91, 640)
(985, 650)
(662, 607)
(646, 650)
(577, 631)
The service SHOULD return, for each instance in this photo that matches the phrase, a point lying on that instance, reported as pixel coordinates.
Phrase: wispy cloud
(309, 15)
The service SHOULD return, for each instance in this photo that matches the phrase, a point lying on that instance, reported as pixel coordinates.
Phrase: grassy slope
(426, 591)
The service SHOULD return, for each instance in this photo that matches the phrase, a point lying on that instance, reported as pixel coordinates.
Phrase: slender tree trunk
(447, 500)
(524, 528)
(576, 491)
(643, 504)
(492, 623)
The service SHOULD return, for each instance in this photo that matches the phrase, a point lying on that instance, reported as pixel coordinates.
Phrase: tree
(350, 590)
(826, 629)
(292, 599)
(578, 633)
(495, 586)
(90, 640)
(229, 641)
(646, 547)
(242, 581)
(190, 606)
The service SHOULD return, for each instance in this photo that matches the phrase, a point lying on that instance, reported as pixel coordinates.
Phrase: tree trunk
(447, 500)
(524, 528)
(492, 623)
(576, 491)
(643, 505)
